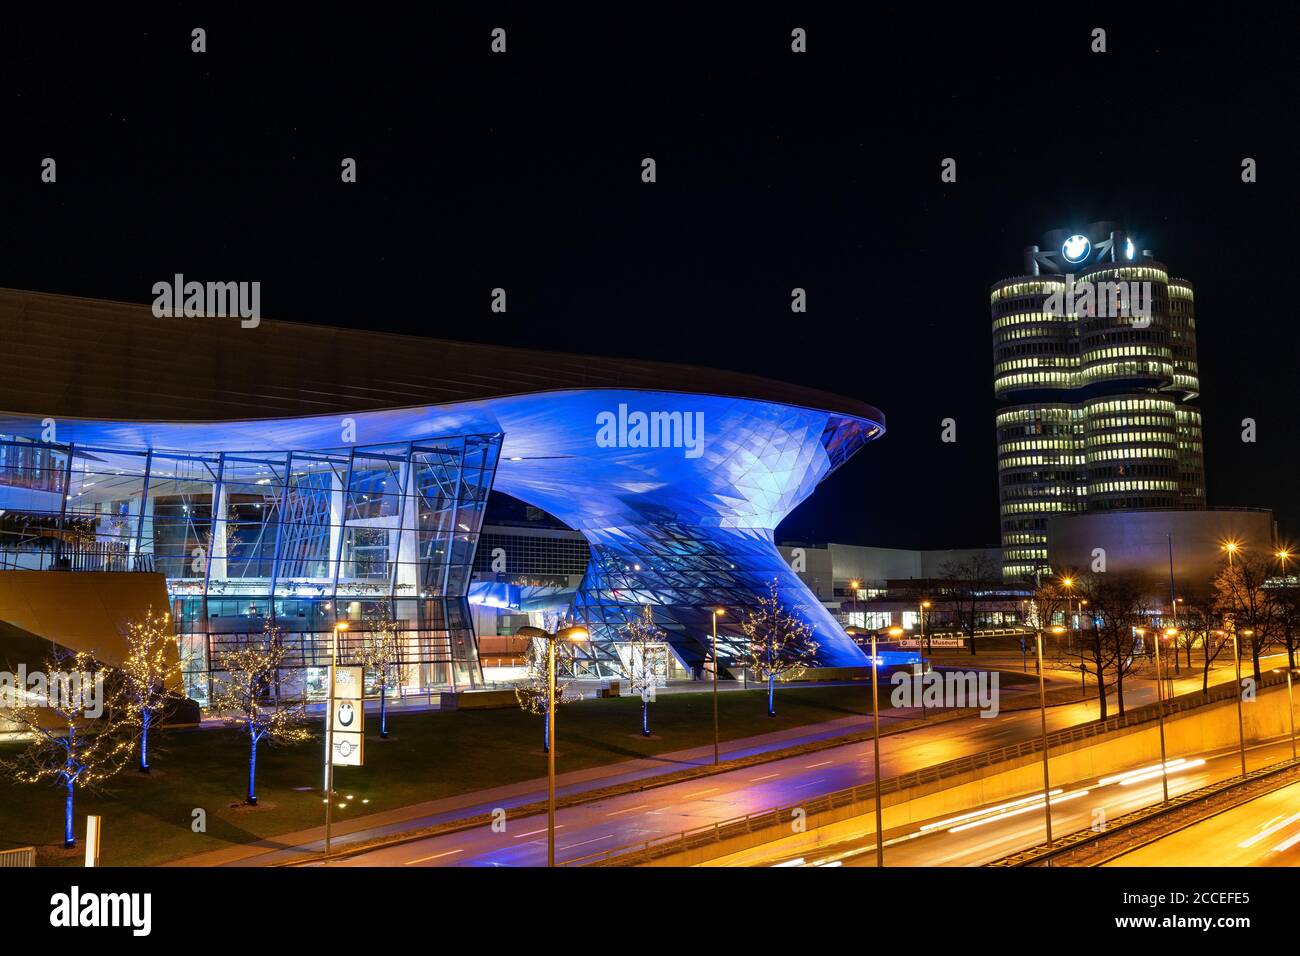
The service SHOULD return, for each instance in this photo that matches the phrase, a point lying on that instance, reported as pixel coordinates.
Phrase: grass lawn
(147, 818)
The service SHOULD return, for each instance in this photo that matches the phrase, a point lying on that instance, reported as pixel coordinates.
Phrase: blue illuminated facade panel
(687, 535)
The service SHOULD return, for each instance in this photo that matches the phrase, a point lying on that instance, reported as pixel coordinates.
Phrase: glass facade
(305, 539)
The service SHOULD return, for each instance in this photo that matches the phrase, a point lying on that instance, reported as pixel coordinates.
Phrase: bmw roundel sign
(1076, 249)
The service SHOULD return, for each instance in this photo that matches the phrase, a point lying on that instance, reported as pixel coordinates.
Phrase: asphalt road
(981, 835)
(635, 817)
(1263, 832)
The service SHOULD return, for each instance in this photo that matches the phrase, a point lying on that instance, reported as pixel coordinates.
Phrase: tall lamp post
(1241, 723)
(894, 632)
(576, 634)
(717, 612)
(1068, 584)
(329, 728)
(1160, 712)
(1283, 555)
(1083, 673)
(925, 606)
(1042, 713)
(854, 585)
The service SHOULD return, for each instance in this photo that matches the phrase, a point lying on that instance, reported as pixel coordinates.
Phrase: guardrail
(22, 857)
(1072, 841)
(684, 840)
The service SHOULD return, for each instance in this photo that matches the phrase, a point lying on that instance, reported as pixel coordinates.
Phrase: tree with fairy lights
(531, 691)
(642, 660)
(381, 651)
(243, 696)
(780, 646)
(151, 666)
(79, 729)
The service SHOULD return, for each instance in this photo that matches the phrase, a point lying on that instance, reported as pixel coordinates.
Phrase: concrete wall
(1136, 542)
(1205, 729)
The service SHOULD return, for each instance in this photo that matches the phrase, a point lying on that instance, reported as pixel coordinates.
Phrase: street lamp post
(1290, 708)
(1068, 584)
(920, 663)
(329, 727)
(925, 634)
(1083, 673)
(1241, 723)
(716, 612)
(1160, 700)
(565, 634)
(1042, 712)
(875, 749)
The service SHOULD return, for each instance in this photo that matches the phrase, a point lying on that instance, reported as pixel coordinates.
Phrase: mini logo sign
(347, 719)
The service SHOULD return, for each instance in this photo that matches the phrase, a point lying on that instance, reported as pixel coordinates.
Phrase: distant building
(1142, 543)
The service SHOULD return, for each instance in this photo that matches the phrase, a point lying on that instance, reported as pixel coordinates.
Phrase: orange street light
(575, 634)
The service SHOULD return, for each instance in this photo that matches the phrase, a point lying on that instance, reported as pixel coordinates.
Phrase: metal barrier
(1079, 838)
(681, 841)
(23, 856)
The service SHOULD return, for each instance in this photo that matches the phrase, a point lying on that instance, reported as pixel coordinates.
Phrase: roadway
(981, 835)
(636, 817)
(1263, 832)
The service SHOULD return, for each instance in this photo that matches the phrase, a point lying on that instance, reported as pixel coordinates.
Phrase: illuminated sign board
(1069, 251)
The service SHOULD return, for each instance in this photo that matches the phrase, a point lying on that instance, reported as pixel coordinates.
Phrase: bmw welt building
(308, 475)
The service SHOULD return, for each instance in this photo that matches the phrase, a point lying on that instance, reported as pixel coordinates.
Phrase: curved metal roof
(82, 358)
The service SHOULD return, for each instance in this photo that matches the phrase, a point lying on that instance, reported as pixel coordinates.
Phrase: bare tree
(1199, 625)
(80, 732)
(152, 665)
(780, 645)
(646, 665)
(1248, 607)
(1217, 640)
(1286, 599)
(1117, 607)
(243, 697)
(381, 651)
(966, 586)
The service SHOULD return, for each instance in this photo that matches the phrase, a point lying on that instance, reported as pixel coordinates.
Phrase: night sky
(775, 170)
